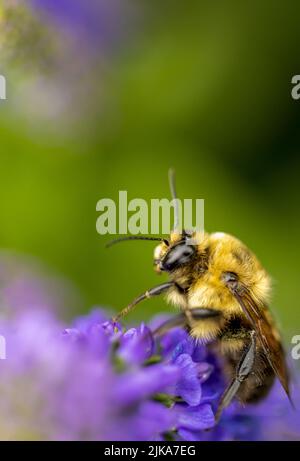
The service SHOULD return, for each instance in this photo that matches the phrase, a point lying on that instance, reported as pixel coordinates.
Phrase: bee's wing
(268, 337)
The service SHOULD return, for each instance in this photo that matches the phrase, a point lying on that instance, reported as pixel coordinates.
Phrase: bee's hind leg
(243, 370)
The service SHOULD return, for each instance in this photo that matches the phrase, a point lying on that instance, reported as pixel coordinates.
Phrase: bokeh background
(106, 95)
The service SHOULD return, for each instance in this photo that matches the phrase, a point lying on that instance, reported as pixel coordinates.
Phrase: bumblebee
(223, 294)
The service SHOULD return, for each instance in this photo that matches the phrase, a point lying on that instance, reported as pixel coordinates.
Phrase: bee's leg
(182, 319)
(155, 291)
(243, 370)
(175, 321)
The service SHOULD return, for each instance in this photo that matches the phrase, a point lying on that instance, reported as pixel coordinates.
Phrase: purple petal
(195, 418)
(186, 346)
(188, 436)
(204, 371)
(189, 386)
(136, 345)
(148, 422)
(145, 382)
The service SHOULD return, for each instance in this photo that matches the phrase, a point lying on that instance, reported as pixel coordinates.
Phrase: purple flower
(136, 345)
(192, 420)
(98, 381)
(144, 383)
(189, 384)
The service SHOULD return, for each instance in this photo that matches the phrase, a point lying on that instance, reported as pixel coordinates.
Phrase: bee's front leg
(243, 370)
(155, 291)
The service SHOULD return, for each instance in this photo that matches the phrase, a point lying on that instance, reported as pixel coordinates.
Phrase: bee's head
(170, 255)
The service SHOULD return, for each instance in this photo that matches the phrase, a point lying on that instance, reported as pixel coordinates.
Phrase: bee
(223, 293)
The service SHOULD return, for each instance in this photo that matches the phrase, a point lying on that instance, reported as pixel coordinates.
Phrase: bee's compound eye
(177, 256)
(230, 278)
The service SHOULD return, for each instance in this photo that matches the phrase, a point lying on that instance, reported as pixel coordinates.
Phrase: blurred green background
(94, 108)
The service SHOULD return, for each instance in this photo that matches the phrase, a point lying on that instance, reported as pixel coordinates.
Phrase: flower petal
(196, 418)
(188, 386)
(136, 345)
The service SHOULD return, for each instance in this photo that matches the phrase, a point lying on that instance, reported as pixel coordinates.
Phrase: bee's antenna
(135, 237)
(174, 197)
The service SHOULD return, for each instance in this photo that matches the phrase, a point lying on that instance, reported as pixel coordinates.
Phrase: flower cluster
(98, 381)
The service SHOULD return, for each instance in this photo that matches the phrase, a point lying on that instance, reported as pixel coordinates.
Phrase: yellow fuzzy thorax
(228, 254)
